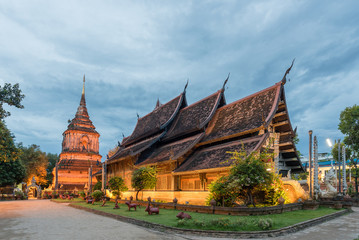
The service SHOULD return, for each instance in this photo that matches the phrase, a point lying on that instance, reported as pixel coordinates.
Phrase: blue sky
(134, 52)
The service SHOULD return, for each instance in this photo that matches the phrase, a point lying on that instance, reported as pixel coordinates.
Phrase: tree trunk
(250, 198)
(137, 194)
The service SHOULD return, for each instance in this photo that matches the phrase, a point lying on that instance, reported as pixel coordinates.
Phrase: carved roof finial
(158, 103)
(284, 79)
(138, 116)
(185, 87)
(295, 131)
(225, 81)
(123, 135)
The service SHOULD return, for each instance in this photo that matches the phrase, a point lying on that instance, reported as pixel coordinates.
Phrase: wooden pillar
(276, 152)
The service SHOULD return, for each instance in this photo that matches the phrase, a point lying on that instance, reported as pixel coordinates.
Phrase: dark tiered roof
(219, 156)
(244, 115)
(136, 148)
(171, 151)
(157, 120)
(195, 116)
(200, 136)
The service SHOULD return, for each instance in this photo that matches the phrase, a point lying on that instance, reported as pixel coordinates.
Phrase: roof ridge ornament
(138, 116)
(158, 103)
(185, 87)
(284, 79)
(225, 81)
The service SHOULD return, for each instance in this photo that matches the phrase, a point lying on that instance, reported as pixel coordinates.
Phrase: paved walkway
(42, 219)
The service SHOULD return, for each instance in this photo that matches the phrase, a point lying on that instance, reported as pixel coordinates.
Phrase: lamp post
(310, 164)
(339, 184)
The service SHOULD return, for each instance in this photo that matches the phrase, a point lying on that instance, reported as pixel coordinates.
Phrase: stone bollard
(175, 203)
(213, 204)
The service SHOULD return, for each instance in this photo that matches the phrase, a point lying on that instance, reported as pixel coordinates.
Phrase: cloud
(133, 53)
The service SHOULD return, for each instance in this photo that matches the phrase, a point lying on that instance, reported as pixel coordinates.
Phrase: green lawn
(66, 200)
(205, 221)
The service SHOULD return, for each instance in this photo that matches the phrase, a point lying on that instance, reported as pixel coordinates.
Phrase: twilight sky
(134, 52)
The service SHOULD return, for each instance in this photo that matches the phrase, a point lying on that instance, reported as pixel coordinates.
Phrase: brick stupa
(80, 151)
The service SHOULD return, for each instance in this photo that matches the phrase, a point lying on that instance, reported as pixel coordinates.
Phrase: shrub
(351, 191)
(221, 222)
(97, 186)
(239, 223)
(117, 185)
(265, 224)
(97, 195)
(183, 222)
(274, 191)
(82, 194)
(19, 194)
(199, 223)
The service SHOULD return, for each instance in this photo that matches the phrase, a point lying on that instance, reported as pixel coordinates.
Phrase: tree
(224, 192)
(12, 172)
(249, 171)
(97, 186)
(52, 159)
(11, 95)
(349, 126)
(117, 185)
(35, 162)
(8, 150)
(248, 174)
(142, 178)
(348, 152)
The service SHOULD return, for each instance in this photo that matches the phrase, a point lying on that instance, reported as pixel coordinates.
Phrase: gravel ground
(42, 219)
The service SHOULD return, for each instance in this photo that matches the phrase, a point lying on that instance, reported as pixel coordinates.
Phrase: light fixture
(329, 143)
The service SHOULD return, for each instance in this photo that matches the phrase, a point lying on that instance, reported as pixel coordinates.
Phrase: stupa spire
(83, 86)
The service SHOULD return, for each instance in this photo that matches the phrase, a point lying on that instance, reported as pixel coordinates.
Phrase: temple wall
(192, 197)
(72, 141)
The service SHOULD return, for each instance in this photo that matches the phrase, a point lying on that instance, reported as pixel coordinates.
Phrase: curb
(218, 234)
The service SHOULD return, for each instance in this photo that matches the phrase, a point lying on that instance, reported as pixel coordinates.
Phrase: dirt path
(42, 219)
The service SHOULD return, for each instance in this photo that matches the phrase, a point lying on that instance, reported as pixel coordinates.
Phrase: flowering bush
(265, 224)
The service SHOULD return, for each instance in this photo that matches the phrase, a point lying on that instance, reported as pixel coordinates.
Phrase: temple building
(190, 143)
(80, 152)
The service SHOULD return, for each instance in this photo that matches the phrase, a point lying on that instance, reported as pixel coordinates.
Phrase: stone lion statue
(329, 182)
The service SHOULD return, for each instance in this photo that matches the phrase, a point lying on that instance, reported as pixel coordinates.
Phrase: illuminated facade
(189, 144)
(80, 151)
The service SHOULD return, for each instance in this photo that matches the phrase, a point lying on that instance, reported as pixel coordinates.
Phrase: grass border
(212, 233)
